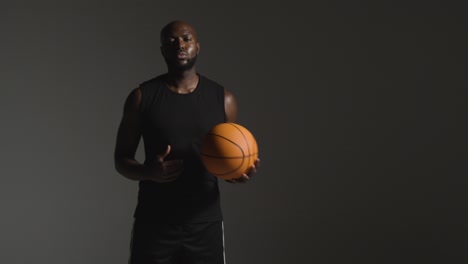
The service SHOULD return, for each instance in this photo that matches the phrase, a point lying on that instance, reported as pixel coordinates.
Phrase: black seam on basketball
(226, 173)
(243, 154)
(243, 157)
(229, 172)
(224, 157)
(245, 139)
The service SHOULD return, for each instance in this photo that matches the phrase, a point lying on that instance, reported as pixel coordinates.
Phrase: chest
(181, 120)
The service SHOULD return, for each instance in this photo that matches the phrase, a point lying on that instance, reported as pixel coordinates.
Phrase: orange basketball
(228, 150)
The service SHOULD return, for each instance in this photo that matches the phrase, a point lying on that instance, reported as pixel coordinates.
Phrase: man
(178, 217)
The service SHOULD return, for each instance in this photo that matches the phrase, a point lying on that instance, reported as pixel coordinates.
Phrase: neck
(182, 81)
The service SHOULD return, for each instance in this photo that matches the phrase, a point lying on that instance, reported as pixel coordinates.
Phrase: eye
(169, 40)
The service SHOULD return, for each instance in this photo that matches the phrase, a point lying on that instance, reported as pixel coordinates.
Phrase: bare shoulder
(228, 95)
(133, 101)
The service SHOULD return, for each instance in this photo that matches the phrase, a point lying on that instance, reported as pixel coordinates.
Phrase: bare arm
(230, 106)
(128, 138)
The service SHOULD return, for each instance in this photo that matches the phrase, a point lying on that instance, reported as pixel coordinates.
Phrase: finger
(257, 163)
(172, 169)
(173, 163)
(168, 176)
(242, 179)
(168, 167)
(251, 171)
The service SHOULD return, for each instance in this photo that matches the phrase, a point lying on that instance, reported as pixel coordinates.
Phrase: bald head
(179, 45)
(177, 25)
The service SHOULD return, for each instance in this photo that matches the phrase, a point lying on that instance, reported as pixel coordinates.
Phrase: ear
(198, 47)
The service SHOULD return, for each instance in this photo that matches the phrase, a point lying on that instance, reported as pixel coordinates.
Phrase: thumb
(162, 156)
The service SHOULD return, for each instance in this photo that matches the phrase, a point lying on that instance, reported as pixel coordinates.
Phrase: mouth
(182, 55)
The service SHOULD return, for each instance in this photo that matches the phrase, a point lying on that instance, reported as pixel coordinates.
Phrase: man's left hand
(248, 175)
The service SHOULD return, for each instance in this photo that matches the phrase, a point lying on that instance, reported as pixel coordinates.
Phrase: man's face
(179, 46)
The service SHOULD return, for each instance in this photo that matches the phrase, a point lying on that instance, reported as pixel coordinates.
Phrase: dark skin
(179, 47)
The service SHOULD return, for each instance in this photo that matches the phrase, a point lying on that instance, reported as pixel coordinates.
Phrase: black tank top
(180, 120)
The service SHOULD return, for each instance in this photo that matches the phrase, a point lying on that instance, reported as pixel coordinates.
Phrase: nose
(181, 44)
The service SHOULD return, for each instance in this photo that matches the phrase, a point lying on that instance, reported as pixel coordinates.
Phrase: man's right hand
(164, 171)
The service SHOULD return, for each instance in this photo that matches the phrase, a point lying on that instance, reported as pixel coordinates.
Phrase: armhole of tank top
(145, 98)
(148, 91)
(142, 100)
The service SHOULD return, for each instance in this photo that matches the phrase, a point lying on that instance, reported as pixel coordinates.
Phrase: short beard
(182, 67)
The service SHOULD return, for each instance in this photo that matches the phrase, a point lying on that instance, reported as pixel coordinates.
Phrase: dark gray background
(356, 106)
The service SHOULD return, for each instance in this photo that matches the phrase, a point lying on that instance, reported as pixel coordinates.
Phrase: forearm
(131, 169)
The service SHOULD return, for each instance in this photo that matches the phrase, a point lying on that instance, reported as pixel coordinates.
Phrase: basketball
(228, 150)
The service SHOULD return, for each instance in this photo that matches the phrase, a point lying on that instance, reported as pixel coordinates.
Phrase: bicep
(230, 107)
(129, 131)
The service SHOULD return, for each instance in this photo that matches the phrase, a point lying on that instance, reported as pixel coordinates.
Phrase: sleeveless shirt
(181, 121)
